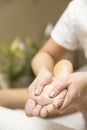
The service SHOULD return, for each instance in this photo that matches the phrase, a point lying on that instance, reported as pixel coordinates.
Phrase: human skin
(12, 98)
(43, 64)
(42, 105)
(76, 85)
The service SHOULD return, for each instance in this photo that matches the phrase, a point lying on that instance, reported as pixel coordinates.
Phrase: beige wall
(28, 18)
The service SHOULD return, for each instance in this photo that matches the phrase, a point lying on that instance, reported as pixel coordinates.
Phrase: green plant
(16, 60)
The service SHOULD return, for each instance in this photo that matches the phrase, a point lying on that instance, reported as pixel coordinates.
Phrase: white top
(70, 31)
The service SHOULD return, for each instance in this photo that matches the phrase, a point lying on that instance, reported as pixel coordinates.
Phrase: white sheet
(17, 120)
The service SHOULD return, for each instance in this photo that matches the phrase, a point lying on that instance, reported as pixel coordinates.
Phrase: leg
(11, 97)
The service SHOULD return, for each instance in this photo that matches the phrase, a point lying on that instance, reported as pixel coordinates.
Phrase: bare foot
(42, 105)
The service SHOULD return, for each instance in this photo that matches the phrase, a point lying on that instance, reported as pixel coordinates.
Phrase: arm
(43, 63)
(13, 98)
(46, 58)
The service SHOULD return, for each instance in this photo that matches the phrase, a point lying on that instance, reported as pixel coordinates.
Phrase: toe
(43, 112)
(50, 108)
(30, 105)
(36, 110)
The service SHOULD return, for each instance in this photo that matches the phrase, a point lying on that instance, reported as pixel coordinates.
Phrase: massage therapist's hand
(42, 79)
(76, 85)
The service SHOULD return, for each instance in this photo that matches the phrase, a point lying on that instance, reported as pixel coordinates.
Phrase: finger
(36, 86)
(30, 105)
(40, 85)
(69, 99)
(58, 103)
(60, 99)
(63, 85)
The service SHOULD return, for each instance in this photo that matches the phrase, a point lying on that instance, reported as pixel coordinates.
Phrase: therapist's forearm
(42, 61)
(13, 98)
(47, 57)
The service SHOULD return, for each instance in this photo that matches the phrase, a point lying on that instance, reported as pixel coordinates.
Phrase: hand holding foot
(42, 105)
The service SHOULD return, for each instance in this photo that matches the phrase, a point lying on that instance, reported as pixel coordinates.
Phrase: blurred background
(24, 27)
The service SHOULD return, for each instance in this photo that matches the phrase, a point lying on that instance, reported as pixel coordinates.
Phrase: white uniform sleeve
(64, 32)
